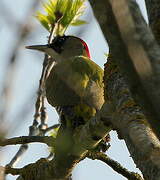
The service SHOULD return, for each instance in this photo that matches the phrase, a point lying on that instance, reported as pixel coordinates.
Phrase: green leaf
(54, 132)
(62, 13)
(48, 9)
(78, 22)
(43, 20)
(50, 19)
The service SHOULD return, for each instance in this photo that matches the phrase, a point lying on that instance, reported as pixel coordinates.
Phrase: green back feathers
(85, 66)
(75, 81)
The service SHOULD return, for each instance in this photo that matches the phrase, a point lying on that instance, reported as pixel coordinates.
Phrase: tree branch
(28, 139)
(13, 171)
(41, 170)
(131, 124)
(135, 50)
(114, 165)
(129, 120)
(153, 7)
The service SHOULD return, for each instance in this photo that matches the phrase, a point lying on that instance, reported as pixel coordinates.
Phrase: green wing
(75, 81)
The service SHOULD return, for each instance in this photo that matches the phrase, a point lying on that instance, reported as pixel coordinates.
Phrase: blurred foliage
(53, 133)
(62, 14)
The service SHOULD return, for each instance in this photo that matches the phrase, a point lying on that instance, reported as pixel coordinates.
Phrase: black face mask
(57, 43)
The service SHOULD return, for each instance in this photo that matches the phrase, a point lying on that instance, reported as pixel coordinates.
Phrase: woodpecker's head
(64, 47)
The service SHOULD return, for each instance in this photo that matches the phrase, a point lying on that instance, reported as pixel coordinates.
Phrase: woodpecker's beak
(41, 48)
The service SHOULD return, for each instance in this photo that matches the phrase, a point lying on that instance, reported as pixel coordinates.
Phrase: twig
(30, 171)
(48, 63)
(18, 155)
(49, 140)
(114, 165)
(23, 31)
(40, 110)
(39, 106)
(14, 171)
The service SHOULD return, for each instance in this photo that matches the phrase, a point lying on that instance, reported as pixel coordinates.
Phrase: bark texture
(122, 84)
(131, 124)
(153, 7)
(135, 50)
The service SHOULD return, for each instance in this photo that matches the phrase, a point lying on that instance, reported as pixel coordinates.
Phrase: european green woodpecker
(75, 84)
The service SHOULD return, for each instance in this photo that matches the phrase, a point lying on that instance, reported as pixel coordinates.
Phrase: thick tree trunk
(129, 120)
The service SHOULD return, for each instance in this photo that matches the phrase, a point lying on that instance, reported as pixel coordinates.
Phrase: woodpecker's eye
(57, 43)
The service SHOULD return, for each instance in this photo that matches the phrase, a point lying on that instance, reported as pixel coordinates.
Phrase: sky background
(26, 79)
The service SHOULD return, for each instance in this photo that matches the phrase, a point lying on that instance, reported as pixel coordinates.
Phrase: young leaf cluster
(61, 13)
